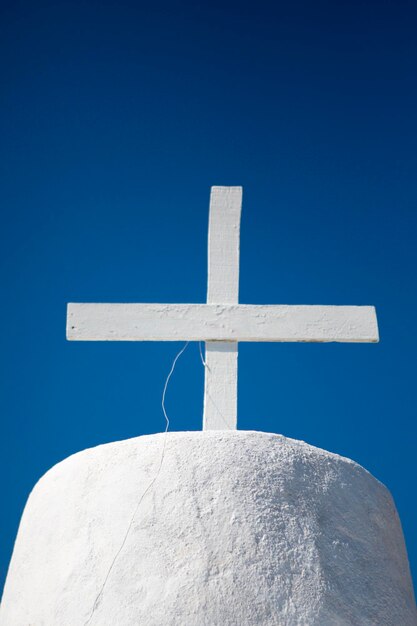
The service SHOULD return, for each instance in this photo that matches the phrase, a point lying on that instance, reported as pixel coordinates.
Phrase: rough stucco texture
(239, 529)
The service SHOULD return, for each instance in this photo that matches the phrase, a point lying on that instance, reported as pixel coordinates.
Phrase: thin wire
(167, 381)
(201, 356)
(100, 593)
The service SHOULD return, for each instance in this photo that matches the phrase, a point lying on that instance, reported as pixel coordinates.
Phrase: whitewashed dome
(239, 529)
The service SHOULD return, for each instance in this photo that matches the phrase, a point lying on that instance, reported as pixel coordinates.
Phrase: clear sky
(115, 120)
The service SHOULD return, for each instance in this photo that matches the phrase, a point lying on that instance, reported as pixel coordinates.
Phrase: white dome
(239, 529)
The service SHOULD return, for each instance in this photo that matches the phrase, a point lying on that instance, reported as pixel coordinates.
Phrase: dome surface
(214, 528)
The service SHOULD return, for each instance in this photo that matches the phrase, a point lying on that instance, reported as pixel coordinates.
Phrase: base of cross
(215, 527)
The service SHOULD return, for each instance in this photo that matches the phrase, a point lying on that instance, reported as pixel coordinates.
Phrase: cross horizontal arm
(218, 322)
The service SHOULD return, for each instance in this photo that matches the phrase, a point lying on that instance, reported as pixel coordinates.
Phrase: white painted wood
(220, 380)
(222, 322)
(216, 322)
(223, 245)
(220, 386)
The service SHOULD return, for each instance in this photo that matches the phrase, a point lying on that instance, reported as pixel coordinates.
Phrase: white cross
(222, 322)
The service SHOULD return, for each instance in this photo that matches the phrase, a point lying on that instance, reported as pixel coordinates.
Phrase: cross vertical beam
(220, 385)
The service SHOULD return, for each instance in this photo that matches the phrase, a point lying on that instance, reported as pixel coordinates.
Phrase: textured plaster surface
(239, 529)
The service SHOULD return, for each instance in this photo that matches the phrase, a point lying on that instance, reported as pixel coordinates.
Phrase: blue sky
(116, 118)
